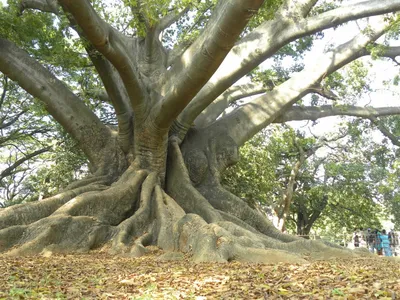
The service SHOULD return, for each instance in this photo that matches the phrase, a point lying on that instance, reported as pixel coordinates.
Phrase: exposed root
(111, 206)
(135, 212)
(11, 236)
(223, 200)
(211, 242)
(56, 234)
(81, 224)
(168, 213)
(23, 214)
(139, 245)
(138, 224)
(99, 180)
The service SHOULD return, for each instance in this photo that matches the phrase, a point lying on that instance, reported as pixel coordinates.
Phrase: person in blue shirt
(385, 243)
(378, 242)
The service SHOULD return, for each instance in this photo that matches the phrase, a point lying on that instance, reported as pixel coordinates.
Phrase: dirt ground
(100, 276)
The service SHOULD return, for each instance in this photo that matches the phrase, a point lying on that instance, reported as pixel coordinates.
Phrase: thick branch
(202, 58)
(3, 94)
(117, 94)
(234, 93)
(171, 18)
(298, 113)
(255, 115)
(42, 5)
(112, 44)
(109, 76)
(268, 38)
(61, 103)
(296, 9)
(391, 52)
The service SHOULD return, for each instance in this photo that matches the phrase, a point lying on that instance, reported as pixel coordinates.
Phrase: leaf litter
(100, 276)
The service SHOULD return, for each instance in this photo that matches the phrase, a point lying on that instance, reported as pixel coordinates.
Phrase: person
(356, 239)
(393, 241)
(361, 234)
(385, 243)
(370, 237)
(378, 242)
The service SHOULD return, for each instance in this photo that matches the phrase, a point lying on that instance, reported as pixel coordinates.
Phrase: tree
(281, 174)
(29, 140)
(389, 128)
(156, 177)
(20, 137)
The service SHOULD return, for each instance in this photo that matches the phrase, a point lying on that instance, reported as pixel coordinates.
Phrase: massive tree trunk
(156, 180)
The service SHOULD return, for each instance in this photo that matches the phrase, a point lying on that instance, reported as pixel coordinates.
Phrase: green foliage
(30, 131)
(340, 188)
(376, 50)
(252, 178)
(266, 12)
(350, 82)
(188, 28)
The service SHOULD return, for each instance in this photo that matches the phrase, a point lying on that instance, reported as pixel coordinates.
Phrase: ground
(98, 275)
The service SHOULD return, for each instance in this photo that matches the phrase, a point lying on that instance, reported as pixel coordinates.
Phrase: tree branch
(3, 94)
(112, 44)
(188, 75)
(171, 18)
(298, 113)
(288, 193)
(117, 94)
(110, 78)
(61, 103)
(323, 91)
(136, 11)
(296, 10)
(42, 5)
(255, 115)
(394, 139)
(8, 171)
(12, 121)
(231, 95)
(269, 37)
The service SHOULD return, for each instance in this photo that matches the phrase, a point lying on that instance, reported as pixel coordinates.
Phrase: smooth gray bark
(257, 114)
(62, 104)
(264, 41)
(297, 113)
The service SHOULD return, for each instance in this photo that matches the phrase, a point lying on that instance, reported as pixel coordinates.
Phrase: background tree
(155, 177)
(38, 158)
(330, 190)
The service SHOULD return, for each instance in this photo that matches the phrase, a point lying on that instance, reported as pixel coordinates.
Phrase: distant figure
(370, 237)
(385, 243)
(361, 234)
(378, 242)
(356, 241)
(393, 241)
